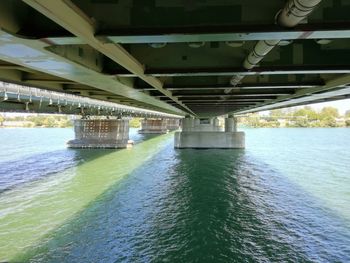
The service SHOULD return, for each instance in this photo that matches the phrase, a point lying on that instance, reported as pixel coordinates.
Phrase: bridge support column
(230, 124)
(216, 124)
(207, 134)
(153, 126)
(187, 124)
(100, 134)
(173, 124)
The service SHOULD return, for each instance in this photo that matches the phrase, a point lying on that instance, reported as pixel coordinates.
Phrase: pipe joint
(295, 11)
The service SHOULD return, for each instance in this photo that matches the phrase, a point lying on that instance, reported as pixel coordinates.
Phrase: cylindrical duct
(235, 80)
(261, 49)
(295, 11)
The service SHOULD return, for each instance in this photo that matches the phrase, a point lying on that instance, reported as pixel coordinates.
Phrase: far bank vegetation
(298, 117)
(31, 121)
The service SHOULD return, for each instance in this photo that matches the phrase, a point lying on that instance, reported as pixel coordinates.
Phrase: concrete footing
(207, 133)
(173, 124)
(100, 134)
(204, 140)
(153, 126)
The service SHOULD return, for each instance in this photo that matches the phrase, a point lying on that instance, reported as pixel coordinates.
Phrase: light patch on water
(30, 212)
(315, 160)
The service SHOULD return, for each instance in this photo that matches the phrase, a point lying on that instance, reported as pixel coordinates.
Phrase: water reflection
(30, 212)
(200, 206)
(16, 172)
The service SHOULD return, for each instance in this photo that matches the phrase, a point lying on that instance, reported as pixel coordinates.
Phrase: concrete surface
(100, 134)
(203, 140)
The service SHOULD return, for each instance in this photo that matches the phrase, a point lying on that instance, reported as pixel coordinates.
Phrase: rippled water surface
(285, 198)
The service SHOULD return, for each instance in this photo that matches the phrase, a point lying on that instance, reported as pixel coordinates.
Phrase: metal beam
(15, 67)
(11, 66)
(229, 33)
(43, 81)
(215, 33)
(35, 56)
(281, 70)
(257, 98)
(259, 92)
(249, 86)
(220, 101)
(214, 105)
(333, 88)
(231, 96)
(265, 70)
(70, 17)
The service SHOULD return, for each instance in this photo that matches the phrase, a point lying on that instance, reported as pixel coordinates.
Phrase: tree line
(299, 117)
(45, 121)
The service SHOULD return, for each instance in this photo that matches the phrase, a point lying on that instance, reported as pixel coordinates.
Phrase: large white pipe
(295, 11)
(261, 49)
(290, 16)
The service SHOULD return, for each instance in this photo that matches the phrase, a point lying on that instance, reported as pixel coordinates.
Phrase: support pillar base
(209, 140)
(153, 131)
(153, 126)
(173, 124)
(107, 134)
(79, 144)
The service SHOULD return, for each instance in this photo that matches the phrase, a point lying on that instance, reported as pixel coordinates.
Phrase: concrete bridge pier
(187, 124)
(216, 124)
(173, 124)
(230, 124)
(100, 133)
(154, 126)
(206, 133)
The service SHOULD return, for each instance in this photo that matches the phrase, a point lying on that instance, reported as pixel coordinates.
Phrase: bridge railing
(39, 100)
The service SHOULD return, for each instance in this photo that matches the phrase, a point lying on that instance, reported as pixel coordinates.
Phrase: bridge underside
(178, 57)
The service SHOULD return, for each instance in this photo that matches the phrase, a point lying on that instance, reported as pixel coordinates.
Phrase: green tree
(330, 111)
(49, 122)
(277, 114)
(305, 117)
(328, 117)
(64, 123)
(306, 112)
(253, 120)
(135, 123)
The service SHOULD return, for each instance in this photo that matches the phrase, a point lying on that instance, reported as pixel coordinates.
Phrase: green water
(285, 198)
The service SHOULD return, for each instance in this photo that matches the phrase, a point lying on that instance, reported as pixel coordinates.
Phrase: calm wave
(285, 198)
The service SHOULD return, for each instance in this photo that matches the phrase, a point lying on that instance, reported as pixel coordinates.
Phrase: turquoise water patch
(284, 198)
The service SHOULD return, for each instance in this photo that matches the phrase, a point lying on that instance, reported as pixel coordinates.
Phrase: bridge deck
(202, 58)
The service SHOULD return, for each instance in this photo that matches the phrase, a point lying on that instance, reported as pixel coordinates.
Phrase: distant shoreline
(41, 127)
(239, 127)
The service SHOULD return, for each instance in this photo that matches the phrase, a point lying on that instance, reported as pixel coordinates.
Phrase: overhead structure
(27, 99)
(291, 15)
(200, 58)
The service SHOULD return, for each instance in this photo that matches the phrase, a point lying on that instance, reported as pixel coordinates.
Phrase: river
(285, 198)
